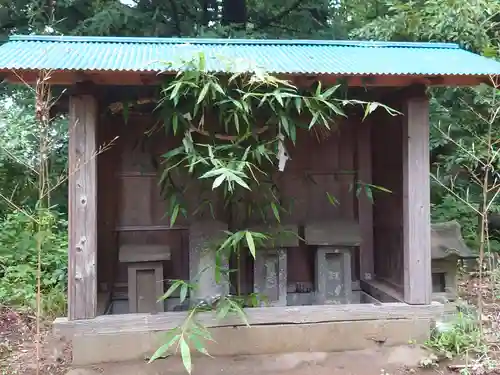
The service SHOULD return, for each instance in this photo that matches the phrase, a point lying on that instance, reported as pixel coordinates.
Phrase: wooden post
(416, 200)
(365, 206)
(82, 275)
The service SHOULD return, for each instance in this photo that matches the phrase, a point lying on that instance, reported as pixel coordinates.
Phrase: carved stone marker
(270, 266)
(202, 260)
(270, 276)
(333, 280)
(333, 276)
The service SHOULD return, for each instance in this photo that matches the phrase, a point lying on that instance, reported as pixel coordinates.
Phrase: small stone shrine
(448, 247)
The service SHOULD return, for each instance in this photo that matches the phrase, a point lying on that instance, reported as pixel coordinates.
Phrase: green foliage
(458, 337)
(192, 333)
(451, 208)
(24, 225)
(233, 127)
(18, 261)
(459, 133)
(469, 23)
(19, 158)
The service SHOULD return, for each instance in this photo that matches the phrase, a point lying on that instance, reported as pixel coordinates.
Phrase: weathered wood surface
(365, 205)
(131, 253)
(82, 149)
(416, 202)
(107, 324)
(335, 232)
(381, 291)
(387, 166)
(285, 235)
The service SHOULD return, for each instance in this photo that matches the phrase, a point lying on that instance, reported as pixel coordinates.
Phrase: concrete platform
(273, 330)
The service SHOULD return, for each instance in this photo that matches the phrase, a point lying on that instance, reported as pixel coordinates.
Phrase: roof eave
(140, 78)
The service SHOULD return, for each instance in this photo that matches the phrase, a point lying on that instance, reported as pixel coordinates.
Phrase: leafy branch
(233, 130)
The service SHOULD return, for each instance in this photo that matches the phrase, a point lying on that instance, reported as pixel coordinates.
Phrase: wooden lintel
(416, 201)
(82, 271)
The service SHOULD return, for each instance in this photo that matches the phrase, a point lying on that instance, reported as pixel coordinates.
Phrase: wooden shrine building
(361, 271)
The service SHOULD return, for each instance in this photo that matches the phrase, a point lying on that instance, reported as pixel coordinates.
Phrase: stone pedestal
(270, 276)
(202, 260)
(270, 266)
(333, 276)
(145, 276)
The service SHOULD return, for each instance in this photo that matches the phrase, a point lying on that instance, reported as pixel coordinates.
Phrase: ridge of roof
(221, 41)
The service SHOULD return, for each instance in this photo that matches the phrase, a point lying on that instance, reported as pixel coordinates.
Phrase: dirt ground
(383, 361)
(18, 353)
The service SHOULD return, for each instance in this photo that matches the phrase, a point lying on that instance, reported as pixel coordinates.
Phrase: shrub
(18, 262)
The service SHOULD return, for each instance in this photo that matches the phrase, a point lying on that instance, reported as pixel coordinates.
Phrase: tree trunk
(234, 12)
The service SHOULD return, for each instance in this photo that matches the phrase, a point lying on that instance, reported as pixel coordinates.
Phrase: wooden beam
(255, 316)
(416, 200)
(365, 206)
(82, 275)
(120, 78)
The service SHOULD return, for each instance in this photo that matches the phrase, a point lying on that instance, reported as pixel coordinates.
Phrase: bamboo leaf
(175, 122)
(331, 199)
(173, 217)
(171, 290)
(240, 182)
(330, 91)
(183, 294)
(293, 133)
(318, 89)
(163, 349)
(250, 243)
(186, 355)
(203, 93)
(218, 181)
(298, 104)
(370, 108)
(369, 193)
(126, 108)
(284, 123)
(275, 212)
(241, 313)
(223, 309)
(314, 120)
(198, 345)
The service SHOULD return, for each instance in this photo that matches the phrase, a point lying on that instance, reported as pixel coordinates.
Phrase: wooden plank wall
(131, 209)
(387, 163)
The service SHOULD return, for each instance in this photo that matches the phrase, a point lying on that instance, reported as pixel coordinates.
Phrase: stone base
(273, 330)
(272, 339)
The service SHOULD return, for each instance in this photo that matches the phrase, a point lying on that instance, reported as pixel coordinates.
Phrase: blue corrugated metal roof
(274, 56)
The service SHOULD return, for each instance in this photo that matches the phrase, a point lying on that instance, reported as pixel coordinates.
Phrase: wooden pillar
(365, 205)
(82, 275)
(416, 200)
